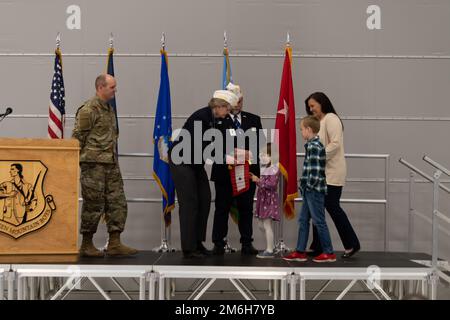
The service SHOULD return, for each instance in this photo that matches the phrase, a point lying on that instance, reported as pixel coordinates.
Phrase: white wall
(359, 87)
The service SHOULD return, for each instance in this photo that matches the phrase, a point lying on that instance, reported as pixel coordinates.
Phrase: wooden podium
(39, 196)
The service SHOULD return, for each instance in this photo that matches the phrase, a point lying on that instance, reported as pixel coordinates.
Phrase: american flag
(57, 101)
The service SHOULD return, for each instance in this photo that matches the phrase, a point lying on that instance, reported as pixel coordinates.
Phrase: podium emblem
(24, 207)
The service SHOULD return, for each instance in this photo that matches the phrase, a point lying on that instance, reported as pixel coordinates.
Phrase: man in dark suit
(235, 124)
(189, 175)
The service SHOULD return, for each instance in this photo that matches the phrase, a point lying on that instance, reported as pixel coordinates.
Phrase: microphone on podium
(9, 110)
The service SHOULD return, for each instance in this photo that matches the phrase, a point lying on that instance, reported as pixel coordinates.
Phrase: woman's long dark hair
(325, 103)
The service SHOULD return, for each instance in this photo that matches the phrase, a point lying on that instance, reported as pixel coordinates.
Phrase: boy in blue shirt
(313, 188)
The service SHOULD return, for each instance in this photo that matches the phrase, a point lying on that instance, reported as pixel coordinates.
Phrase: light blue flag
(226, 74)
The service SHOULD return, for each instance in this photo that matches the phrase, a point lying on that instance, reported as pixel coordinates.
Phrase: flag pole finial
(58, 40)
(288, 39)
(163, 41)
(111, 40)
(225, 39)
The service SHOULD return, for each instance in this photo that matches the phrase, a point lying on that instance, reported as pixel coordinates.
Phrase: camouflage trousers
(102, 191)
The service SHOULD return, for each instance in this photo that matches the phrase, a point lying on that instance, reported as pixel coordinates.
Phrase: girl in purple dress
(267, 205)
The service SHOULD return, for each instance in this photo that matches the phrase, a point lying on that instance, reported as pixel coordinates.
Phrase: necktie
(236, 122)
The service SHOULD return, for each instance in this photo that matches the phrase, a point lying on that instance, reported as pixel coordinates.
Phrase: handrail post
(411, 209)
(386, 205)
(436, 177)
(434, 257)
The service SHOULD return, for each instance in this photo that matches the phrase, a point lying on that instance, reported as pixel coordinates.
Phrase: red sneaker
(325, 257)
(296, 256)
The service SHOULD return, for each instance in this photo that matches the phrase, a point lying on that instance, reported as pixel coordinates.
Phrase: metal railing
(412, 211)
(437, 186)
(384, 202)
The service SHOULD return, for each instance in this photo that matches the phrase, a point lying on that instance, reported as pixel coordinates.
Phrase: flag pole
(58, 40)
(165, 230)
(225, 39)
(111, 41)
(58, 46)
(165, 242)
(163, 41)
(280, 246)
(58, 52)
(228, 248)
(111, 47)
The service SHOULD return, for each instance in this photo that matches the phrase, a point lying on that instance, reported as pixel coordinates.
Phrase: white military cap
(235, 89)
(228, 96)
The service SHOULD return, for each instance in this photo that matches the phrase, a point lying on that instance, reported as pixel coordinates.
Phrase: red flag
(240, 178)
(285, 123)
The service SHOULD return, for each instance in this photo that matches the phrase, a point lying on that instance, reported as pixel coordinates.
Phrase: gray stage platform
(154, 271)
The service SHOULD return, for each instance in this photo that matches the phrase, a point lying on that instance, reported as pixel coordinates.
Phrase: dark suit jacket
(205, 117)
(249, 121)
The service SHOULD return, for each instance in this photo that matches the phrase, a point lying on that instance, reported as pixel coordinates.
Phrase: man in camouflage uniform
(101, 180)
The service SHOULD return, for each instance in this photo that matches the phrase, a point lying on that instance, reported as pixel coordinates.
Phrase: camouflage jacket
(95, 128)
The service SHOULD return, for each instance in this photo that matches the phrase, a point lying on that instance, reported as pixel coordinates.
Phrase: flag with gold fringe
(285, 130)
(162, 133)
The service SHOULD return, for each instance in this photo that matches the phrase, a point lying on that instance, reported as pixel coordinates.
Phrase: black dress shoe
(347, 255)
(201, 249)
(193, 255)
(249, 250)
(218, 250)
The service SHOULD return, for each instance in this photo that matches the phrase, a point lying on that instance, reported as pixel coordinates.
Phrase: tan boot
(87, 248)
(116, 248)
